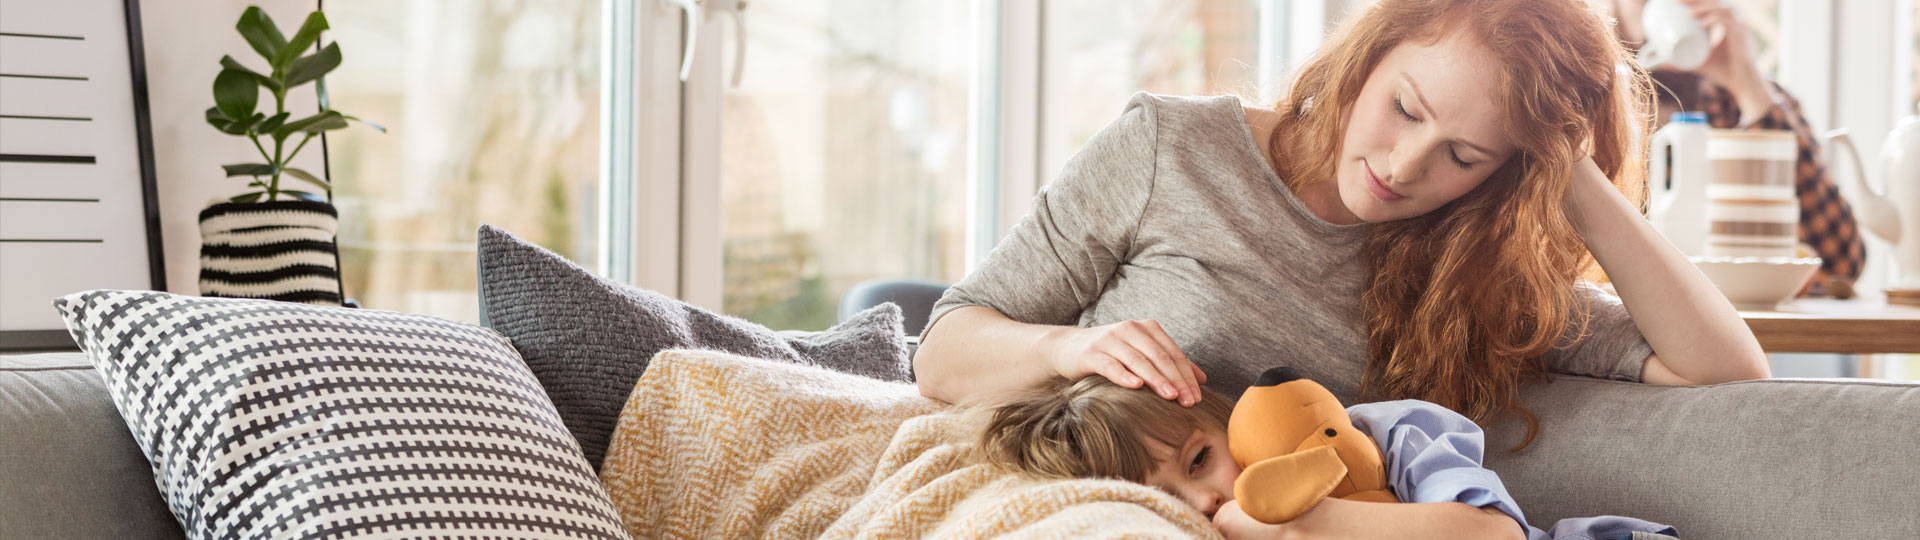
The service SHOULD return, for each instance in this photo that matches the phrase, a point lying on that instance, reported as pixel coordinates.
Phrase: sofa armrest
(1775, 458)
(69, 467)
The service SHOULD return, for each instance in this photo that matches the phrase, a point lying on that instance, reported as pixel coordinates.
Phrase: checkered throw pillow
(275, 420)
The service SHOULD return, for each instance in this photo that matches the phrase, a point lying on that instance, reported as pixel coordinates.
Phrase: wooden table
(1825, 325)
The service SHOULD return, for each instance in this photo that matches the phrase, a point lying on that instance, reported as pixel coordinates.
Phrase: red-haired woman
(1410, 222)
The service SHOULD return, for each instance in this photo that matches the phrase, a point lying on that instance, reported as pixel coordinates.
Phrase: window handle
(695, 16)
(690, 9)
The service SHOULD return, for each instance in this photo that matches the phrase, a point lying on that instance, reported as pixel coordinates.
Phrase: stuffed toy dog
(1298, 446)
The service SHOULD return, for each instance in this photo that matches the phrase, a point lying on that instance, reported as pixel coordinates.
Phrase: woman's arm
(1338, 518)
(1049, 270)
(973, 352)
(1696, 335)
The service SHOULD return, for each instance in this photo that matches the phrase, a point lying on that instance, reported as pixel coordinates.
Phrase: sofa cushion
(67, 462)
(589, 339)
(1775, 458)
(274, 420)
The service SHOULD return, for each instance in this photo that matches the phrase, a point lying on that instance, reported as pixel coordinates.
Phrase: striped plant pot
(275, 250)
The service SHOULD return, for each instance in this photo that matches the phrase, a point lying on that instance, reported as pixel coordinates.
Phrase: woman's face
(1425, 130)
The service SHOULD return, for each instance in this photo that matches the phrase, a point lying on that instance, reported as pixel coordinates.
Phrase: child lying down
(1094, 428)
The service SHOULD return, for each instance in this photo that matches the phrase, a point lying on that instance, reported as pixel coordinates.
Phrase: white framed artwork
(78, 208)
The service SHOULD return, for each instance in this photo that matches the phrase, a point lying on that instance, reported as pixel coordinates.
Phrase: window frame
(662, 139)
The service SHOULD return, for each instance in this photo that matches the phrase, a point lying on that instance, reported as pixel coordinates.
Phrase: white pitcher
(1894, 213)
(1678, 195)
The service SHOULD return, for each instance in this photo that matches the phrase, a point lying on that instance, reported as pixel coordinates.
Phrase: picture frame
(79, 208)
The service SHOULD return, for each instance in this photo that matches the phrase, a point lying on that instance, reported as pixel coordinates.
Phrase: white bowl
(1756, 283)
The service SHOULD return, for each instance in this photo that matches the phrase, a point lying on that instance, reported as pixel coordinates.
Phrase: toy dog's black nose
(1276, 376)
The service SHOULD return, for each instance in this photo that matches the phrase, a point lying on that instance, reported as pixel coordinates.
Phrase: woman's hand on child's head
(1129, 353)
(1235, 524)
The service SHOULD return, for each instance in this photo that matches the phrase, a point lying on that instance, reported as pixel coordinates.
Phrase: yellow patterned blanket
(718, 446)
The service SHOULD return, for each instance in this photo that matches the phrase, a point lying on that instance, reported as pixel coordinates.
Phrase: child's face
(1200, 472)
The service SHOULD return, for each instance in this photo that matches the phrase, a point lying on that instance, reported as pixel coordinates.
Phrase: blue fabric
(1433, 455)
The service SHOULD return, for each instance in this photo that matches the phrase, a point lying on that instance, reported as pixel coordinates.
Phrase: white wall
(184, 42)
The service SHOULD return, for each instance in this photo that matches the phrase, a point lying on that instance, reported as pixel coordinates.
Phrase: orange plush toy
(1298, 446)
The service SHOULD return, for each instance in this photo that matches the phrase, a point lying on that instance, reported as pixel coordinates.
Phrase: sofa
(1779, 458)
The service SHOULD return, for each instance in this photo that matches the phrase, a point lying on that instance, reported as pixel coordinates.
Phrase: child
(1094, 428)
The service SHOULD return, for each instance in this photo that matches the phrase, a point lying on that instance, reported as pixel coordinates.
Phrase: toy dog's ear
(1276, 376)
(1279, 489)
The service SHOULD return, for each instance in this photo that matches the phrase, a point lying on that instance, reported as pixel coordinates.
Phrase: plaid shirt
(1826, 220)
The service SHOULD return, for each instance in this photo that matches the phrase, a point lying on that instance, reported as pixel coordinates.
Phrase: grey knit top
(1171, 213)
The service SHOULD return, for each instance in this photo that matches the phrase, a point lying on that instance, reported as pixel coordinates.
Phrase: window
(843, 153)
(847, 152)
(493, 116)
(1099, 52)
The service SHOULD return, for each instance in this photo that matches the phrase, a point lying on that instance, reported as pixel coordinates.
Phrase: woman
(1409, 222)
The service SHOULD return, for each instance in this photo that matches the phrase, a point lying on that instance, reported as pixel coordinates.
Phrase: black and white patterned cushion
(275, 420)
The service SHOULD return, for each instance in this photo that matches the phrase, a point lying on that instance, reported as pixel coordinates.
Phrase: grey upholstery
(1782, 458)
(1776, 458)
(68, 465)
(914, 297)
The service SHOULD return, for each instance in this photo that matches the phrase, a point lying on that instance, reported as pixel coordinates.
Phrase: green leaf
(313, 196)
(217, 120)
(309, 33)
(313, 124)
(248, 169)
(247, 198)
(240, 127)
(303, 195)
(261, 33)
(234, 65)
(271, 123)
(313, 66)
(235, 93)
(369, 124)
(304, 175)
(320, 92)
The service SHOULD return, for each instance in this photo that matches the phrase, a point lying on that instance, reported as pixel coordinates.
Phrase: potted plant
(273, 241)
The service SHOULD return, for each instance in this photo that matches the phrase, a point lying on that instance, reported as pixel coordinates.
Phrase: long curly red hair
(1463, 302)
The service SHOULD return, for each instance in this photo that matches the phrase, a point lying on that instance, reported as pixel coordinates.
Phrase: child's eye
(1199, 459)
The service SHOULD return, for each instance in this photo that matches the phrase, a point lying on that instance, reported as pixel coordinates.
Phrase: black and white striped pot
(276, 250)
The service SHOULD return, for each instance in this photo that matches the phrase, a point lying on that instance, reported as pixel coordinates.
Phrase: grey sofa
(1760, 459)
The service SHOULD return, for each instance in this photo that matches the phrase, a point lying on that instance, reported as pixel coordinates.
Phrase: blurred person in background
(1731, 89)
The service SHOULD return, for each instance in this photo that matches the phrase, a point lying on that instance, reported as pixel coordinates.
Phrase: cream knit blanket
(712, 445)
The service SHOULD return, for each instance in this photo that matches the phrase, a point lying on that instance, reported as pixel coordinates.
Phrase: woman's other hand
(1130, 353)
(1235, 524)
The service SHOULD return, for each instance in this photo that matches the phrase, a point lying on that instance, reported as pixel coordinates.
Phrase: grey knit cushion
(589, 339)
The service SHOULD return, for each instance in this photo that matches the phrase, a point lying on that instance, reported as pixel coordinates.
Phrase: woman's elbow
(930, 381)
(1745, 367)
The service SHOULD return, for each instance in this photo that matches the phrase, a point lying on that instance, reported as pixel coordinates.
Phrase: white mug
(1674, 37)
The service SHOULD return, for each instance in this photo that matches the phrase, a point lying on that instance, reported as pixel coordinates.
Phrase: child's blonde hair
(1092, 428)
